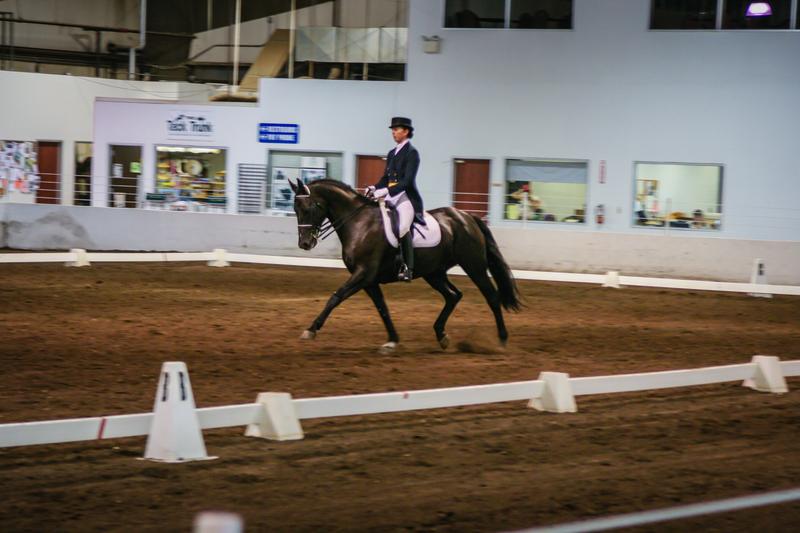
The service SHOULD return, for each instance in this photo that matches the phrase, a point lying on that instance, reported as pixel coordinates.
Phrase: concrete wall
(40, 227)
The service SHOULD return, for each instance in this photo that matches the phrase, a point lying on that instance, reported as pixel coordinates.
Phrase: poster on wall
(282, 195)
(19, 172)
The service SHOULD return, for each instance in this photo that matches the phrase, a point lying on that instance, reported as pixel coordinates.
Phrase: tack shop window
(189, 179)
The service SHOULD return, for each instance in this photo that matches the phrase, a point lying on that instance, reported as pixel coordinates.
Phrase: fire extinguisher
(600, 214)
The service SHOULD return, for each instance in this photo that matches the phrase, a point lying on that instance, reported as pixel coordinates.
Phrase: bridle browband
(324, 230)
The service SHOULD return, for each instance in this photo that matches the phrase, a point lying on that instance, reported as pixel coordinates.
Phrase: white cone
(759, 277)
(557, 394)
(277, 419)
(175, 434)
(217, 522)
(768, 376)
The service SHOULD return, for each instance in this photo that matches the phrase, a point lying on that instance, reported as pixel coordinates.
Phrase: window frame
(794, 23)
(506, 21)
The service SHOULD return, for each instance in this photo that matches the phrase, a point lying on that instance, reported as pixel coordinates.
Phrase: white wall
(46, 107)
(44, 227)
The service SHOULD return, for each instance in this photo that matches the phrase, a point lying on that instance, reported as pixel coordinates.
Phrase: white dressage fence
(222, 258)
(175, 425)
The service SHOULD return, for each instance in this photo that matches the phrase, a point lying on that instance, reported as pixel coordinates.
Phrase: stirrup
(405, 274)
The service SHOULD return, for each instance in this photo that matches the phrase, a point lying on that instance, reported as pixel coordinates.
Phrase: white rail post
(217, 522)
(277, 419)
(175, 435)
(557, 394)
(612, 279)
(81, 258)
(768, 376)
(220, 258)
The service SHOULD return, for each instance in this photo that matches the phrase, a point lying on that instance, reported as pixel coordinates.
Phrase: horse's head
(310, 211)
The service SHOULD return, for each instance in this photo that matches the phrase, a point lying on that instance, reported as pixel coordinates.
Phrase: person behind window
(698, 219)
(466, 18)
(527, 200)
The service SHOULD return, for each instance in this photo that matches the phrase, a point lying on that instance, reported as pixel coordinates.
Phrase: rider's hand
(370, 192)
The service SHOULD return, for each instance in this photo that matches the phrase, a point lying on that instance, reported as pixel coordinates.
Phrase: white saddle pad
(424, 236)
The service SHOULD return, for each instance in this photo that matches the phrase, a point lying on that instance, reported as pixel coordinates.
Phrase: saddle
(426, 236)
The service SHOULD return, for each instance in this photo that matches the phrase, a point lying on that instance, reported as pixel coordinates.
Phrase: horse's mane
(336, 184)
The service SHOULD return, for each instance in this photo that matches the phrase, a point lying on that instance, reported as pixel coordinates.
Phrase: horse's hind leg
(376, 294)
(479, 276)
(451, 296)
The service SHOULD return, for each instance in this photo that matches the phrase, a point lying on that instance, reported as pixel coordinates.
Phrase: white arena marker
(768, 375)
(557, 394)
(612, 280)
(81, 258)
(759, 277)
(175, 435)
(277, 419)
(220, 258)
(217, 522)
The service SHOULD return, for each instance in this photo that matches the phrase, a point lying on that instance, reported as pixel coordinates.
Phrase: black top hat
(402, 122)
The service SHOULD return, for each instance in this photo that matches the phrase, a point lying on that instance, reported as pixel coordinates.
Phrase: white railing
(109, 427)
(77, 257)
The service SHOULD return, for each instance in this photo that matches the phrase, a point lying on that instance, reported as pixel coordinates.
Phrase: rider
(398, 185)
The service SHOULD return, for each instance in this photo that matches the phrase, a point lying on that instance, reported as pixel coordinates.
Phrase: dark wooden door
(471, 186)
(369, 169)
(48, 158)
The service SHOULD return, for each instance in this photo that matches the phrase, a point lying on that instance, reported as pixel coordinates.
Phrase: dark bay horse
(466, 241)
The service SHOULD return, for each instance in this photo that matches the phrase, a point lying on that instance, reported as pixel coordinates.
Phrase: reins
(324, 230)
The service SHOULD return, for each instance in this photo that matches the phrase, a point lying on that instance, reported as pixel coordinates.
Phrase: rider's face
(399, 134)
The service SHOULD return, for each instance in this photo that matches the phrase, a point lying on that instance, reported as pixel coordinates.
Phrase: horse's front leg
(358, 280)
(376, 294)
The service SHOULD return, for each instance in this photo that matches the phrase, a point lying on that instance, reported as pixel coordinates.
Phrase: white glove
(380, 193)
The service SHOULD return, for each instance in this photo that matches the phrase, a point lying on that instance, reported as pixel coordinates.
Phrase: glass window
(307, 166)
(20, 176)
(83, 173)
(546, 190)
(125, 169)
(678, 195)
(189, 178)
(683, 15)
(541, 14)
(750, 15)
(475, 13)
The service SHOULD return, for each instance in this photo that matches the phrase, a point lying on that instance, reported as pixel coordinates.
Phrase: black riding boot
(407, 250)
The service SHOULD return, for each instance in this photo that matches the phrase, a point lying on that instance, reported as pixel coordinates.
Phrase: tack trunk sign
(190, 124)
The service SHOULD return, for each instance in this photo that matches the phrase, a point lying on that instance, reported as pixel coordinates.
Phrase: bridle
(324, 230)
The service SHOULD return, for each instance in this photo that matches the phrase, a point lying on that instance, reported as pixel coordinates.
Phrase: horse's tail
(509, 293)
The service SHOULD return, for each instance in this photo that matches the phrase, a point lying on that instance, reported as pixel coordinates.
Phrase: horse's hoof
(444, 341)
(388, 348)
(308, 335)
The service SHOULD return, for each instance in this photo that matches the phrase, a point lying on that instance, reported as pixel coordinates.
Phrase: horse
(466, 241)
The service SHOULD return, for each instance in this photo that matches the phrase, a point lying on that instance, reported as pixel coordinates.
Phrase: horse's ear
(293, 186)
(301, 185)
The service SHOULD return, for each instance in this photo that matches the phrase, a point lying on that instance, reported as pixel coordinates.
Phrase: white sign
(187, 123)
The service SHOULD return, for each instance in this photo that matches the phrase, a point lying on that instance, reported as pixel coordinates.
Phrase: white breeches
(405, 211)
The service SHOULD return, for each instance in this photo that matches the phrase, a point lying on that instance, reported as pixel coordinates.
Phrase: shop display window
(546, 190)
(678, 195)
(189, 179)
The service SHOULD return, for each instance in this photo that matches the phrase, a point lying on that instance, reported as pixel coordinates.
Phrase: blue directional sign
(278, 133)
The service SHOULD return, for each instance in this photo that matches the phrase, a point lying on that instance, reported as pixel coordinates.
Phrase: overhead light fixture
(758, 9)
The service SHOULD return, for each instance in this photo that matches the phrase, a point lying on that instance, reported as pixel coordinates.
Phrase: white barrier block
(220, 258)
(612, 280)
(217, 522)
(277, 419)
(768, 376)
(81, 258)
(557, 394)
(759, 277)
(175, 434)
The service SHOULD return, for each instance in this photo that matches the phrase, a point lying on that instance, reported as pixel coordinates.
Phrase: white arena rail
(110, 427)
(221, 258)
